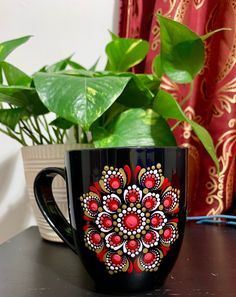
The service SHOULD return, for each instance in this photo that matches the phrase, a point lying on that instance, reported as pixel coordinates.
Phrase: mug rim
(129, 147)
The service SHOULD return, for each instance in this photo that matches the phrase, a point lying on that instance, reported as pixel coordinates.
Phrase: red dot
(93, 205)
(148, 237)
(167, 201)
(149, 182)
(96, 238)
(148, 258)
(107, 222)
(113, 205)
(114, 183)
(149, 203)
(132, 244)
(116, 239)
(167, 233)
(132, 197)
(131, 221)
(155, 221)
(116, 259)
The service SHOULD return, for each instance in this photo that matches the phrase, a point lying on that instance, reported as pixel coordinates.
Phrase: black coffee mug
(127, 210)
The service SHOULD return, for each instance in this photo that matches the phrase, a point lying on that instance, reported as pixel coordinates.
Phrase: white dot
(134, 208)
(119, 225)
(129, 233)
(128, 209)
(109, 171)
(118, 220)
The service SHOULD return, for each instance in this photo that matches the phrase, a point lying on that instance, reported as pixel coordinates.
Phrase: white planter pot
(36, 158)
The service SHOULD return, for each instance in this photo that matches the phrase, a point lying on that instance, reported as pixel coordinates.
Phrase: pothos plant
(109, 108)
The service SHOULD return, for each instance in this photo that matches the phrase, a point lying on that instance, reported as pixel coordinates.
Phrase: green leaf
(113, 35)
(182, 51)
(10, 117)
(75, 65)
(23, 97)
(94, 66)
(80, 100)
(138, 91)
(166, 106)
(15, 76)
(61, 123)
(134, 127)
(124, 53)
(157, 68)
(209, 34)
(8, 46)
(58, 66)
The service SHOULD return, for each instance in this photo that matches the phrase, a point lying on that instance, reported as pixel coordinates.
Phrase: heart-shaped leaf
(166, 106)
(8, 46)
(80, 100)
(61, 123)
(124, 53)
(182, 51)
(24, 97)
(10, 117)
(14, 76)
(134, 127)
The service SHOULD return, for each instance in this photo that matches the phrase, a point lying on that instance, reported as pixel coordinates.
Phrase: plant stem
(76, 133)
(12, 135)
(29, 132)
(186, 98)
(45, 124)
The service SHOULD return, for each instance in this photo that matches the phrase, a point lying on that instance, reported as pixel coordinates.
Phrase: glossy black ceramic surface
(127, 211)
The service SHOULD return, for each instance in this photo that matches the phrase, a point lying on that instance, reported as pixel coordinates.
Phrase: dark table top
(30, 267)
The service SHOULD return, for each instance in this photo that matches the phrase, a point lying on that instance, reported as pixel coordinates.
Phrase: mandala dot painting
(130, 226)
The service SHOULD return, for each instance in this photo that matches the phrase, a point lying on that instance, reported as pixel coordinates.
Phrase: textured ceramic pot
(127, 212)
(36, 158)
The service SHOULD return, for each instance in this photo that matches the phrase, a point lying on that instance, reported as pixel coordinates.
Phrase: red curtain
(212, 100)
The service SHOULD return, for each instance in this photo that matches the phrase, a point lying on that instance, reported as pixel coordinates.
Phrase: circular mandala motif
(131, 226)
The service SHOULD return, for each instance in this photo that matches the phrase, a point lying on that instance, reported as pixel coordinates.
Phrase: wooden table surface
(30, 267)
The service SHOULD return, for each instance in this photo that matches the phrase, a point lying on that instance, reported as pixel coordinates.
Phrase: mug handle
(47, 204)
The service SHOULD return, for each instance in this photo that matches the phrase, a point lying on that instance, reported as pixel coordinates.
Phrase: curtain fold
(212, 101)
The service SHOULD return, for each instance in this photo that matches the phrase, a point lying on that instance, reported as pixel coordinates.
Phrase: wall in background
(60, 28)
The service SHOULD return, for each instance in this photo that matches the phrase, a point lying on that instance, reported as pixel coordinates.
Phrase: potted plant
(109, 108)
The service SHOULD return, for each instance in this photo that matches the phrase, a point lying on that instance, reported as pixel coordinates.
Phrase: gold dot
(81, 198)
(112, 168)
(138, 235)
(120, 233)
(155, 269)
(147, 227)
(114, 216)
(120, 252)
(161, 207)
(117, 229)
(147, 214)
(125, 237)
(100, 209)
(153, 167)
(118, 210)
(160, 170)
(147, 221)
(144, 209)
(160, 232)
(148, 168)
(132, 237)
(119, 191)
(131, 204)
(104, 172)
(144, 232)
(145, 250)
(102, 235)
(106, 168)
(158, 165)
(145, 190)
(110, 272)
(138, 205)
(114, 223)
(124, 206)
